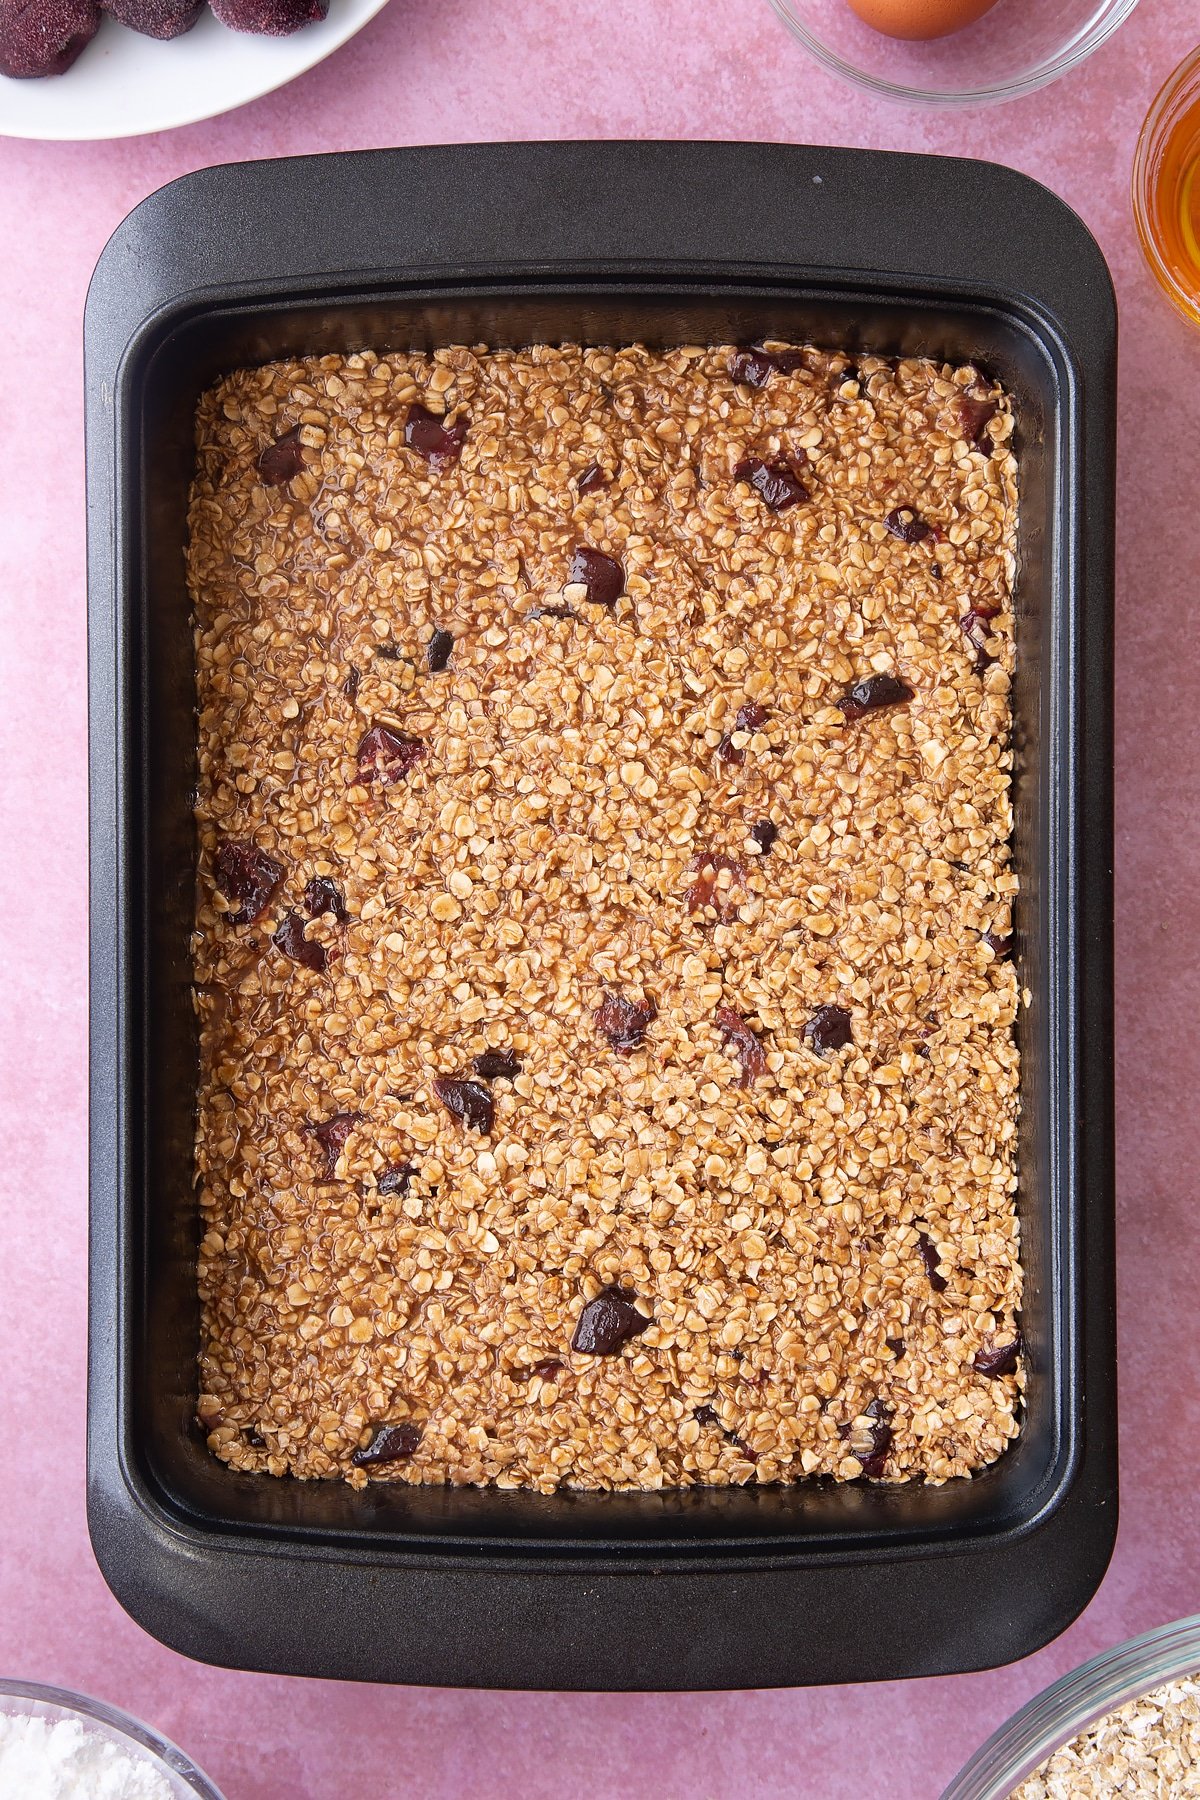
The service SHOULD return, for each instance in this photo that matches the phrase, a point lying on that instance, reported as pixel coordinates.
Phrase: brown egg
(919, 18)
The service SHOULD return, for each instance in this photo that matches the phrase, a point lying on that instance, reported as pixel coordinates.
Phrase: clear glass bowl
(1018, 46)
(1068, 1707)
(1157, 196)
(30, 1699)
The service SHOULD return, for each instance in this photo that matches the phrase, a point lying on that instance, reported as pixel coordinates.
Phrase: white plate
(125, 84)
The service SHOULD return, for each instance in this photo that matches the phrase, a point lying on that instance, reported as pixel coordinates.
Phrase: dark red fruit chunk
(829, 1029)
(440, 444)
(43, 37)
(756, 365)
(467, 1101)
(592, 478)
(975, 416)
(931, 1259)
(749, 718)
(331, 1134)
(744, 1044)
(935, 569)
(706, 1415)
(498, 1065)
(389, 1444)
(389, 653)
(601, 574)
(325, 896)
(776, 484)
(741, 1444)
(607, 1322)
(764, 834)
(386, 755)
(254, 1437)
(907, 525)
(704, 891)
(1000, 1360)
(624, 1022)
(999, 945)
(155, 18)
(976, 628)
(290, 939)
(350, 685)
(438, 653)
(896, 1346)
(397, 1180)
(546, 1369)
(871, 1443)
(873, 694)
(283, 460)
(248, 875)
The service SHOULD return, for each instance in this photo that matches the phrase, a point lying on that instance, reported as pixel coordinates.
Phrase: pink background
(424, 72)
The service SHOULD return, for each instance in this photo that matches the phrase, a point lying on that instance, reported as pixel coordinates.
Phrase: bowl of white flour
(60, 1746)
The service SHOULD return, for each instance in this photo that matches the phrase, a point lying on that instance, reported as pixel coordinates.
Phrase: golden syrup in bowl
(1166, 188)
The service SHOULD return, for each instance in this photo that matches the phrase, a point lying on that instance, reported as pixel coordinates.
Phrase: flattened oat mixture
(607, 1070)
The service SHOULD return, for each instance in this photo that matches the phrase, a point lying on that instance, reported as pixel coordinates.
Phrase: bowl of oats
(1125, 1723)
(601, 1042)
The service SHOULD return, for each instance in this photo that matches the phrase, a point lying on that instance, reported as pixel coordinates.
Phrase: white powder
(60, 1759)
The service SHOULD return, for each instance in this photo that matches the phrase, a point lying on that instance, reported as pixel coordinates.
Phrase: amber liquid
(1177, 204)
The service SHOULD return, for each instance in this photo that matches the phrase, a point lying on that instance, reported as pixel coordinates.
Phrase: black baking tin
(607, 243)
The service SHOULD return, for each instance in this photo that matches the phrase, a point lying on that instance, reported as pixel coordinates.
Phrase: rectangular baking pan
(604, 243)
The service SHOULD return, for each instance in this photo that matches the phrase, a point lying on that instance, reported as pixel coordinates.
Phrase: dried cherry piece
(498, 1065)
(467, 1101)
(396, 1180)
(386, 755)
(325, 896)
(976, 628)
(290, 939)
(331, 1135)
(907, 525)
(705, 1415)
(1000, 1359)
(155, 18)
(600, 574)
(896, 1346)
(975, 416)
(44, 37)
(551, 612)
(545, 1369)
(704, 890)
(389, 1444)
(283, 460)
(873, 1454)
(592, 479)
(764, 833)
(830, 1028)
(753, 367)
(929, 1256)
(739, 1443)
(430, 436)
(873, 694)
(624, 1022)
(777, 484)
(607, 1322)
(350, 685)
(248, 875)
(999, 945)
(749, 718)
(254, 1437)
(437, 655)
(744, 1043)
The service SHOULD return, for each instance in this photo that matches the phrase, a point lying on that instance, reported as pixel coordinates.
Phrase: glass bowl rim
(1072, 1703)
(174, 1761)
(1184, 77)
(987, 93)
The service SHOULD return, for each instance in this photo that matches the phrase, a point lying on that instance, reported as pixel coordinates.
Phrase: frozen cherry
(438, 653)
(498, 1065)
(1000, 1359)
(323, 896)
(386, 755)
(290, 939)
(929, 1256)
(155, 18)
(975, 416)
(743, 1043)
(873, 694)
(907, 525)
(749, 718)
(283, 460)
(467, 1101)
(43, 37)
(600, 574)
(396, 1180)
(389, 1444)
(607, 1322)
(777, 484)
(440, 444)
(592, 480)
(331, 1135)
(829, 1029)
(248, 875)
(624, 1022)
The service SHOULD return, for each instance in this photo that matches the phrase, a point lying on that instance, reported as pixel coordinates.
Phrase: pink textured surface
(424, 72)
